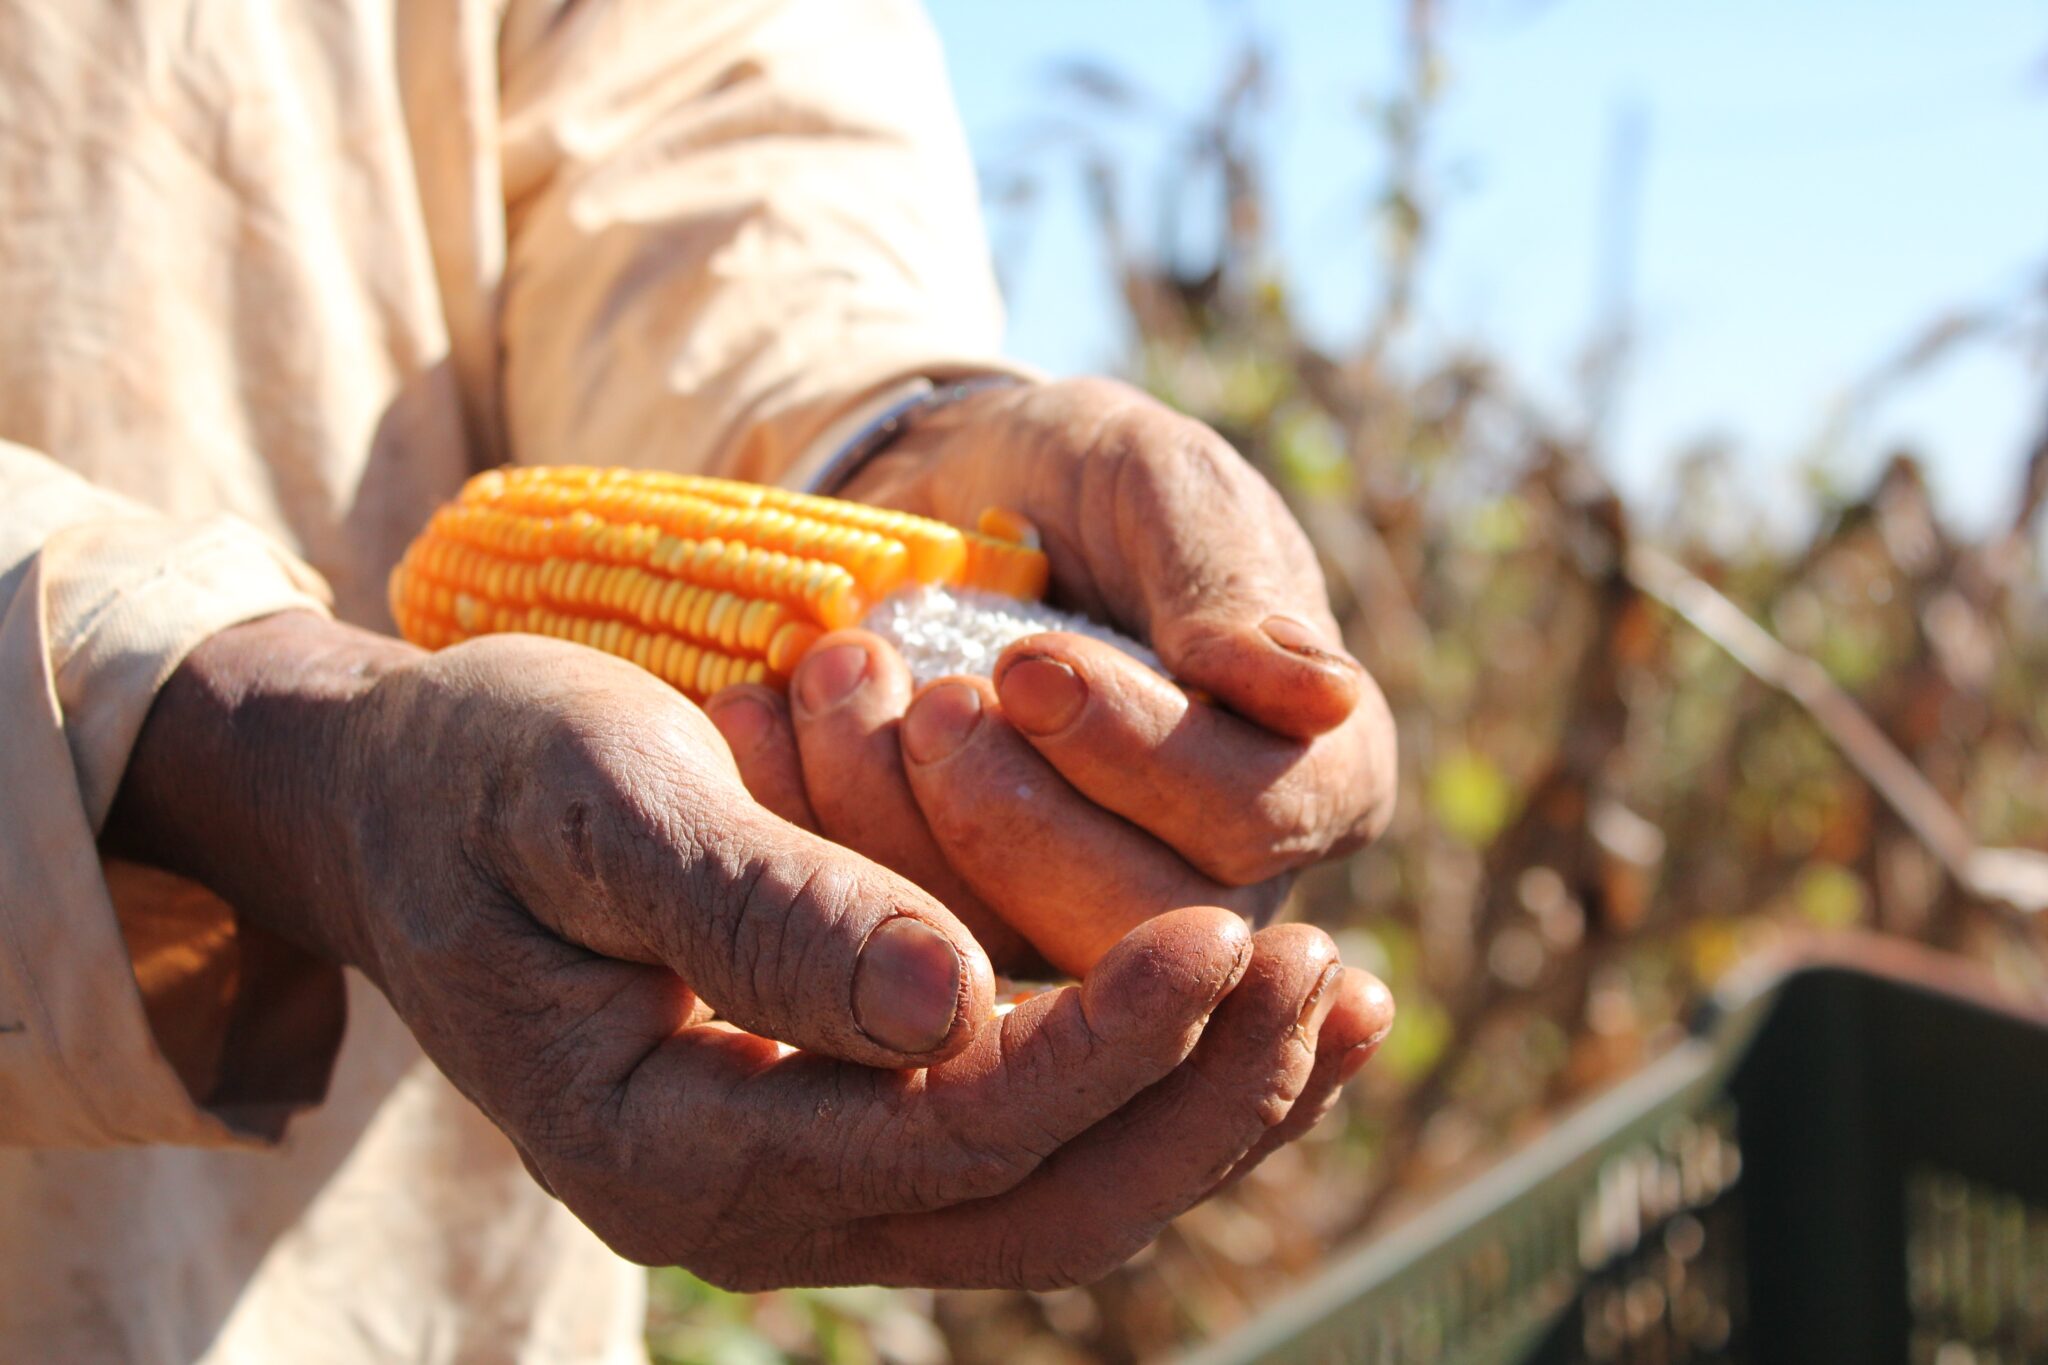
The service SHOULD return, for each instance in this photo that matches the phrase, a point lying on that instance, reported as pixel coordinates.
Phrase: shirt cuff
(99, 619)
(127, 601)
(824, 466)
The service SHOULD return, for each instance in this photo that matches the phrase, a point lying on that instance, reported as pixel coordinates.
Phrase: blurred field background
(1669, 399)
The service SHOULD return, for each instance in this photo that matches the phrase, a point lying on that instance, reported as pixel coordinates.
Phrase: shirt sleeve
(735, 231)
(100, 600)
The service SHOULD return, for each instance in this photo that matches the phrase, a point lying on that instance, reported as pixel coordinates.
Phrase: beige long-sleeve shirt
(273, 279)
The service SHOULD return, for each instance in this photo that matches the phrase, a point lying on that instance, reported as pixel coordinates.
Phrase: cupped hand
(546, 860)
(1078, 793)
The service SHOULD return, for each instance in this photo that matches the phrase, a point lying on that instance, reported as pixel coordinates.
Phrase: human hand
(1079, 792)
(546, 860)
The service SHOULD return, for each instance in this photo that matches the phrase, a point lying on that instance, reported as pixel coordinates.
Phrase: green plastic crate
(1842, 1163)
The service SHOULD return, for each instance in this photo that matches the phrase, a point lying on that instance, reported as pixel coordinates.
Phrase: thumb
(782, 933)
(801, 940)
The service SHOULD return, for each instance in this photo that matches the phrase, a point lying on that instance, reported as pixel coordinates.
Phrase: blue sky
(1821, 178)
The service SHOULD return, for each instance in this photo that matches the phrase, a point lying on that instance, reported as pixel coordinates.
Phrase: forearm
(244, 772)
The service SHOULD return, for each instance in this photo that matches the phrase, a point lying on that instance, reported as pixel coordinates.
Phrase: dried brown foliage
(1630, 754)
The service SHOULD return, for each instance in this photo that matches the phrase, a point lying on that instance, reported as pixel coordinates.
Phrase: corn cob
(704, 582)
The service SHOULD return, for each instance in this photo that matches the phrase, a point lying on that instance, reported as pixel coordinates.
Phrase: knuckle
(888, 1157)
(940, 1156)
(765, 952)
(974, 1168)
(1155, 455)
(1254, 854)
(1276, 1100)
(1264, 1100)
(882, 1166)
(1166, 459)
(749, 920)
(1255, 1104)
(542, 819)
(950, 1169)
(964, 1175)
(1100, 393)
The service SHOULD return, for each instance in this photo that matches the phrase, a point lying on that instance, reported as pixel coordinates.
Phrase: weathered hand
(1080, 792)
(547, 861)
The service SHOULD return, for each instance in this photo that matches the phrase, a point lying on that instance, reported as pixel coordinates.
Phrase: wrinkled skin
(1080, 793)
(547, 860)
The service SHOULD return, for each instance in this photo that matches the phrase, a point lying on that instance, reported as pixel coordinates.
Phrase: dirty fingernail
(940, 721)
(1317, 1007)
(830, 676)
(744, 721)
(1380, 1002)
(1297, 638)
(1042, 696)
(1354, 1061)
(906, 986)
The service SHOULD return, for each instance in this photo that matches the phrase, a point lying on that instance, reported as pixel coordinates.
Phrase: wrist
(245, 777)
(878, 456)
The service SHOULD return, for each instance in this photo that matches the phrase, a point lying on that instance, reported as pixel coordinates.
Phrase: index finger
(1106, 1194)
(1132, 742)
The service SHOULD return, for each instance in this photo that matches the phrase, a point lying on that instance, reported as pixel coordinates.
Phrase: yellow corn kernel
(703, 582)
(1006, 567)
(789, 645)
(1000, 523)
